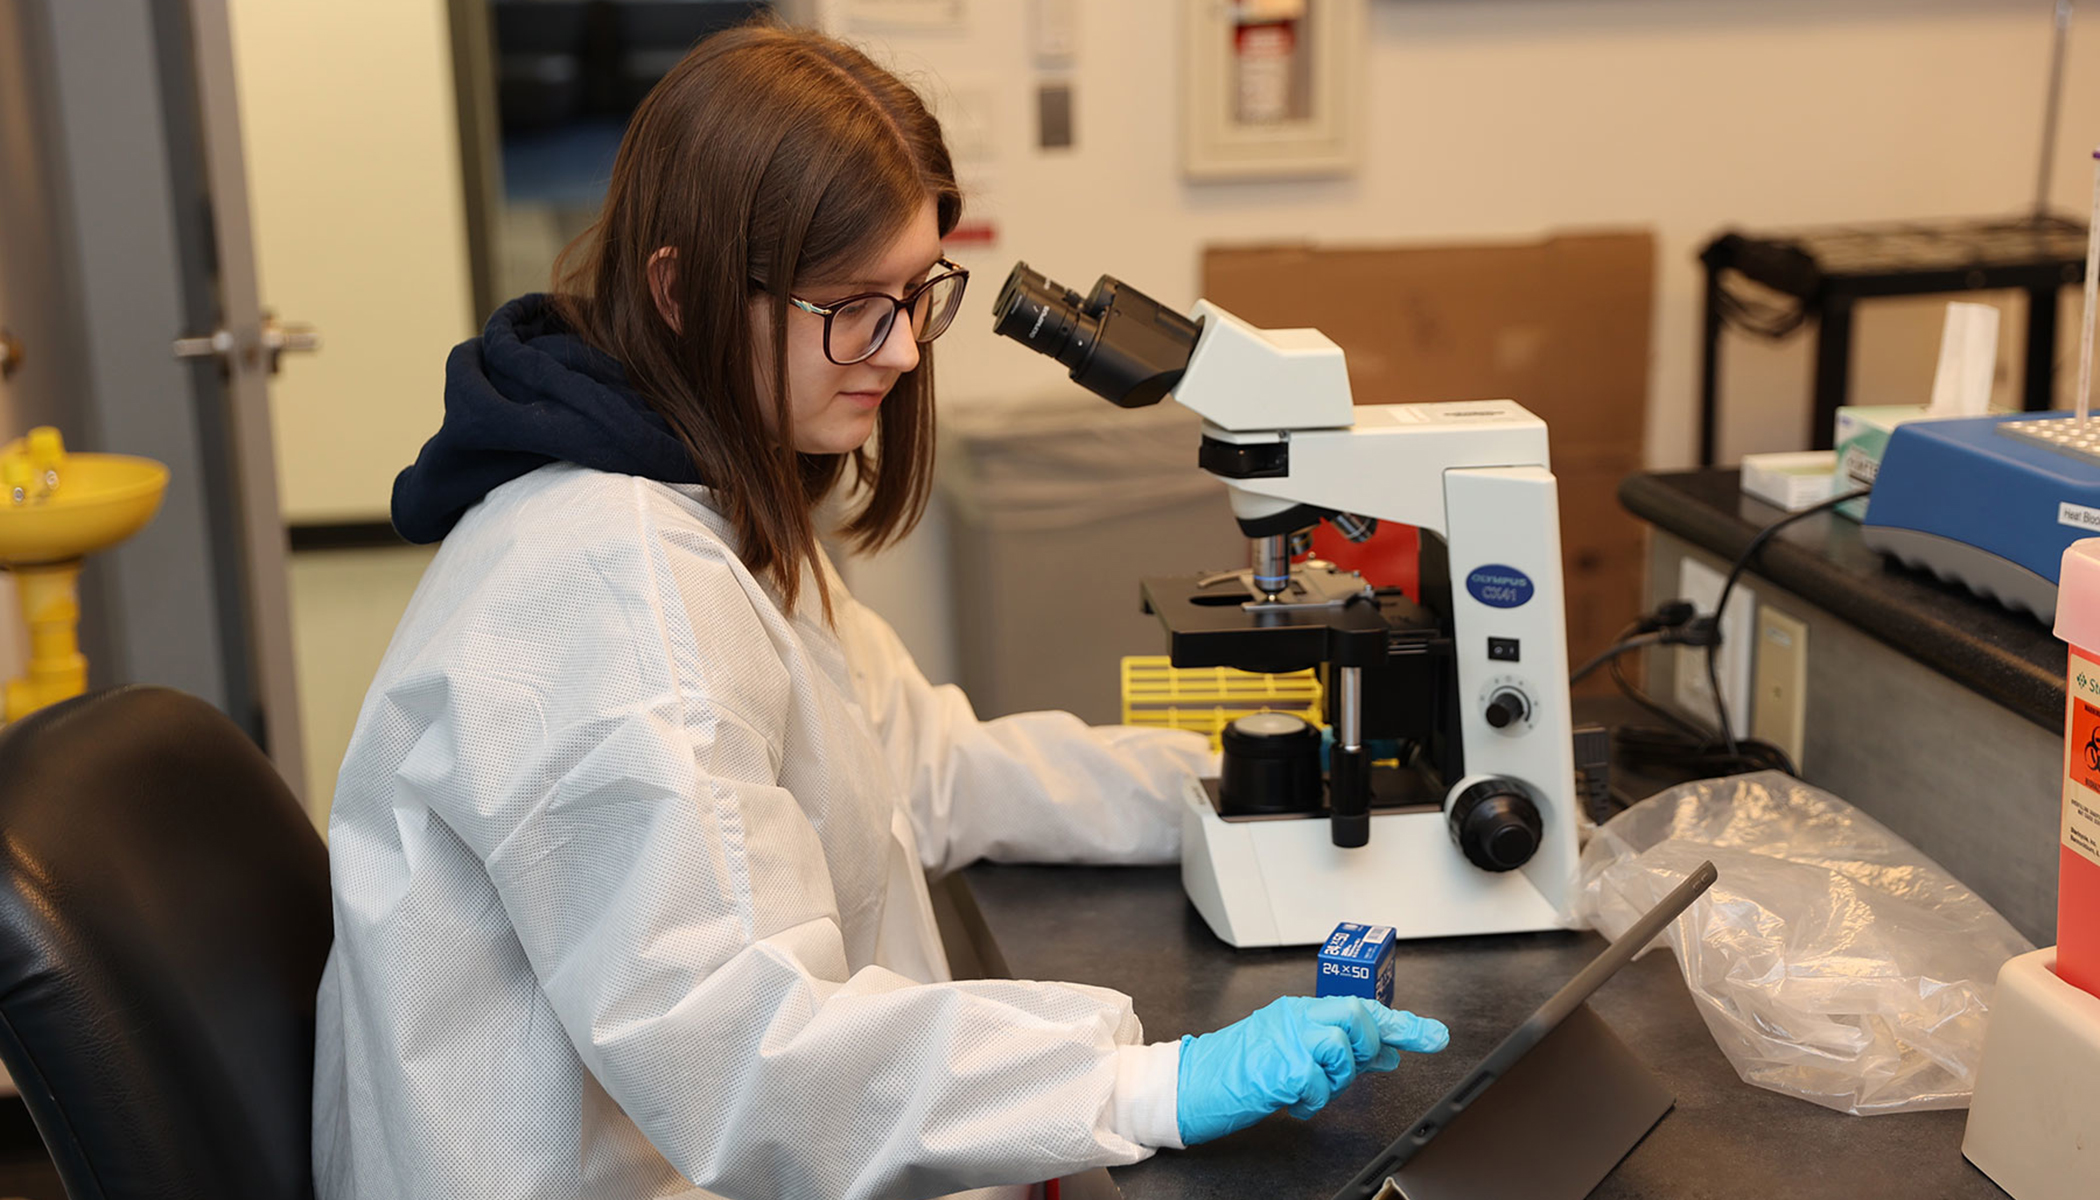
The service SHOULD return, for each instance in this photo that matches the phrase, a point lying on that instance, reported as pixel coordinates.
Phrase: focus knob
(1507, 707)
(1496, 825)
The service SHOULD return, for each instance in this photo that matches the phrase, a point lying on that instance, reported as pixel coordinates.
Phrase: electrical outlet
(1779, 715)
(1701, 585)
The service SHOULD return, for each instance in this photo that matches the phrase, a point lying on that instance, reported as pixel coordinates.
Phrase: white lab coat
(629, 891)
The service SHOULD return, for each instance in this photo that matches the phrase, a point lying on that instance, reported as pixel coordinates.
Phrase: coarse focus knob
(1496, 825)
(1507, 707)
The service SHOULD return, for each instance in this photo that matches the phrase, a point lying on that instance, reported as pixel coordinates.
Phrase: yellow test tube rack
(1206, 699)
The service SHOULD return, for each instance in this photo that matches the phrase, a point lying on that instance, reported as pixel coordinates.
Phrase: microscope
(1447, 802)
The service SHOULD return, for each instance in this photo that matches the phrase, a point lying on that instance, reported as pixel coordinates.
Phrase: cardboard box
(1561, 326)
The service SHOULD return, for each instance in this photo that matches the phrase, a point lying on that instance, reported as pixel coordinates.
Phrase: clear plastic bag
(1831, 960)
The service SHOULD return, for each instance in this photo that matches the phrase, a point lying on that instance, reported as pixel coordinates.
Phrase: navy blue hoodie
(525, 393)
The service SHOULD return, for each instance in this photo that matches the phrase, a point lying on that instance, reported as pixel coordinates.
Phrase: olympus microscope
(1464, 822)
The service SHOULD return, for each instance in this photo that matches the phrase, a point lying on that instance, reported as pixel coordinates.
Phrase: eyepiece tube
(1041, 315)
(1118, 343)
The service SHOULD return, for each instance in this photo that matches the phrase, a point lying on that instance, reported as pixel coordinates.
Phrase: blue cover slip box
(1357, 960)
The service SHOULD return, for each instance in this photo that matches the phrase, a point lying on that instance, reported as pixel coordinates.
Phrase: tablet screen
(1526, 1037)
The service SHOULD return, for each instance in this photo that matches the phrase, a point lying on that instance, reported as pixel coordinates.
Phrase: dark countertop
(1133, 930)
(2006, 656)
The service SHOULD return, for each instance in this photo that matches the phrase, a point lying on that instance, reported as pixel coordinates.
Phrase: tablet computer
(1550, 1111)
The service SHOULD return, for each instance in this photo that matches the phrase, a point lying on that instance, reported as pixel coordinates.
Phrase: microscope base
(1283, 881)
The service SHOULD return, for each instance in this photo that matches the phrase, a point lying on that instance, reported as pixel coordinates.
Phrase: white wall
(1508, 118)
(350, 128)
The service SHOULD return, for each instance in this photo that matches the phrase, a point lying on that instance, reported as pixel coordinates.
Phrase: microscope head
(1130, 349)
(1251, 386)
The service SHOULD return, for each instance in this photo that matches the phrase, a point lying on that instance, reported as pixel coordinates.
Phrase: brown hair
(768, 156)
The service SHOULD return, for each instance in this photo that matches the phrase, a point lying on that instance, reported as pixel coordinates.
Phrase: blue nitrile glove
(1294, 1054)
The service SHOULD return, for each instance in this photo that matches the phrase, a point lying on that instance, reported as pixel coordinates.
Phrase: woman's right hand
(1295, 1055)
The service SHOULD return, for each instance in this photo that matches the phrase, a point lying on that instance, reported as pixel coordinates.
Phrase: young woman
(630, 844)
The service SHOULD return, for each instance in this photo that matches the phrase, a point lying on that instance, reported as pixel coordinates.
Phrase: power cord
(1633, 692)
(1696, 754)
(1735, 572)
(1673, 623)
(1684, 744)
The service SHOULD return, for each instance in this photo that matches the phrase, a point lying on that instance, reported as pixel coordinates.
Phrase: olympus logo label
(1499, 586)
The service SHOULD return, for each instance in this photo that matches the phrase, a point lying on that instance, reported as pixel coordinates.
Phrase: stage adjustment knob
(1496, 825)
(1507, 707)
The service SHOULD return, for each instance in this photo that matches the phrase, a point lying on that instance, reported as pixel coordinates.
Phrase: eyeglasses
(857, 326)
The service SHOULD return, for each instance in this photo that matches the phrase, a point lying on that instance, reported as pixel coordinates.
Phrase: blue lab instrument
(1989, 502)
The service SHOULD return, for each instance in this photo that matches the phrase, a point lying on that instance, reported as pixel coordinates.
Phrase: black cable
(1686, 746)
(1735, 572)
(1695, 755)
(1627, 687)
(1633, 692)
(1613, 651)
(1773, 321)
(1713, 685)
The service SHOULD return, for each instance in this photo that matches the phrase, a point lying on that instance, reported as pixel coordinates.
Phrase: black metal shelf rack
(1827, 271)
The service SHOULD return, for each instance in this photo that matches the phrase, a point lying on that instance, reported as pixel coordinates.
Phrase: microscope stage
(1210, 627)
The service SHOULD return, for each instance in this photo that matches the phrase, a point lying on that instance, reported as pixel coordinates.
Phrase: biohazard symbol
(2082, 744)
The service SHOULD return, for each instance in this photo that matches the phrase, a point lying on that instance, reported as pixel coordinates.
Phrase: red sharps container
(2078, 882)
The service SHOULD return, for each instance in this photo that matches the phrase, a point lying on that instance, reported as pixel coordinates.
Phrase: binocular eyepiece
(1118, 343)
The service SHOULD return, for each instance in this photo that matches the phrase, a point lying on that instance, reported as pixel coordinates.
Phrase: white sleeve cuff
(1144, 1104)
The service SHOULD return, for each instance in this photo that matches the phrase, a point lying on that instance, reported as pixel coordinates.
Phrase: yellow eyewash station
(55, 509)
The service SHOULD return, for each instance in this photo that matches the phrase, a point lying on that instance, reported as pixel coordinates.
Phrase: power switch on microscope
(1502, 649)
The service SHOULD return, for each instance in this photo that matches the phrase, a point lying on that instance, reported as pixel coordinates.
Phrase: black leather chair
(164, 918)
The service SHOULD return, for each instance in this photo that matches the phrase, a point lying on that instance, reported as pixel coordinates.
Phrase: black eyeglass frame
(903, 304)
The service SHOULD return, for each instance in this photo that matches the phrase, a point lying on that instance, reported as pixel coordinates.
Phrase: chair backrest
(164, 920)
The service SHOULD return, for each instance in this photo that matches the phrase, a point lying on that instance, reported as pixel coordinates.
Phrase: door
(241, 352)
(129, 284)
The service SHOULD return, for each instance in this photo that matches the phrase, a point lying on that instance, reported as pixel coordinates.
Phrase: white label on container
(1858, 467)
(2081, 829)
(2078, 516)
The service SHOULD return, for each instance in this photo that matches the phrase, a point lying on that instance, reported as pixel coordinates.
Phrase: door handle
(10, 354)
(216, 344)
(290, 337)
(273, 341)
